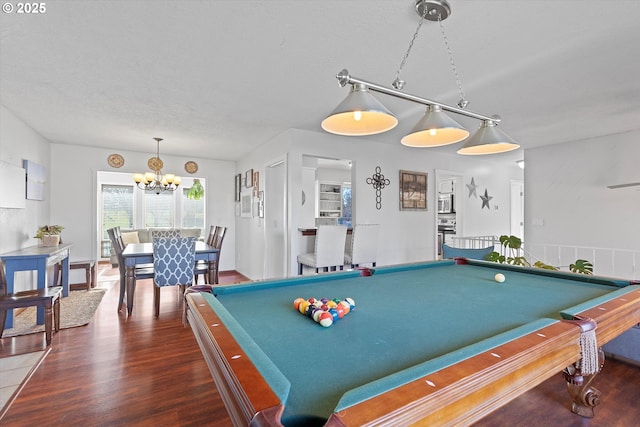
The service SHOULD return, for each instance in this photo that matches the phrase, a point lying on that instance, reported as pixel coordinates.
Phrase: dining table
(139, 254)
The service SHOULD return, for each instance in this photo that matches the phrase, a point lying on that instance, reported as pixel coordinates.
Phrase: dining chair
(329, 249)
(201, 268)
(217, 243)
(216, 239)
(141, 272)
(479, 253)
(173, 263)
(49, 298)
(155, 234)
(364, 245)
(212, 234)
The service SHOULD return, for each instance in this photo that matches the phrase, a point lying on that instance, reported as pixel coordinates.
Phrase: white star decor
(472, 188)
(485, 200)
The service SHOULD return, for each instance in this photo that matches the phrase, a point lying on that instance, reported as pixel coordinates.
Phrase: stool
(90, 271)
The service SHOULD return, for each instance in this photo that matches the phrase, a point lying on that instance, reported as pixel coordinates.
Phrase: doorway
(449, 185)
(275, 217)
(517, 209)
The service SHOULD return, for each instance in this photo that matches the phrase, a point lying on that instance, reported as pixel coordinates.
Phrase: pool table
(435, 343)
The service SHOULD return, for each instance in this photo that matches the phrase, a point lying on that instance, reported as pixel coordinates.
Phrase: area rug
(75, 310)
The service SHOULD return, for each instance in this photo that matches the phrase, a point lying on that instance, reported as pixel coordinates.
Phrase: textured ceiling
(217, 78)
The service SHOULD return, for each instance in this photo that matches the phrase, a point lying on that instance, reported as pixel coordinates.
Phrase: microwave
(445, 203)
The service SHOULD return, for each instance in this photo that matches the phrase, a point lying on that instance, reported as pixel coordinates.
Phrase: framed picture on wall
(261, 204)
(246, 204)
(413, 191)
(248, 179)
(238, 186)
(36, 180)
(256, 183)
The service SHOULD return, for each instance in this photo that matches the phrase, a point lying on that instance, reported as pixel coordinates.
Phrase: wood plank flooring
(143, 371)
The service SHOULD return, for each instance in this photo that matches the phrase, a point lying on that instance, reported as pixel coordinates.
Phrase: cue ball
(499, 278)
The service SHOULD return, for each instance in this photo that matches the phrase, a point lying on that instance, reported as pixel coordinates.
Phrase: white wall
(74, 204)
(570, 211)
(405, 236)
(18, 226)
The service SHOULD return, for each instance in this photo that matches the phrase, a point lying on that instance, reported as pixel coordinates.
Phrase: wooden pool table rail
(459, 394)
(245, 393)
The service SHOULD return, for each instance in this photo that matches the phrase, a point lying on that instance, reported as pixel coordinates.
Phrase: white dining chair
(364, 245)
(329, 249)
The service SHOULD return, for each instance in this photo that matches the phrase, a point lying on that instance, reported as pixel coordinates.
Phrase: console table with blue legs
(36, 258)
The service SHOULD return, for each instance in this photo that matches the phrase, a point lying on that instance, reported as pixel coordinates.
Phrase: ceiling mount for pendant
(434, 8)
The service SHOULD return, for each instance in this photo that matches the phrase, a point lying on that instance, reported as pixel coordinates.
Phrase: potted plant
(514, 255)
(196, 192)
(49, 234)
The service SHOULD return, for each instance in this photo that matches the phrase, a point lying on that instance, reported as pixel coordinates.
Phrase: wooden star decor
(485, 199)
(379, 182)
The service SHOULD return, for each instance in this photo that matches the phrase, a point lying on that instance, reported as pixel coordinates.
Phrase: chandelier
(155, 181)
(361, 114)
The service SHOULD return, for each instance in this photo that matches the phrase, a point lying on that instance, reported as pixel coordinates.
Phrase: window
(346, 204)
(158, 210)
(117, 210)
(193, 214)
(123, 204)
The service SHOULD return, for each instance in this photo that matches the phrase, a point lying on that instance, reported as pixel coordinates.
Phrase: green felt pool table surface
(408, 321)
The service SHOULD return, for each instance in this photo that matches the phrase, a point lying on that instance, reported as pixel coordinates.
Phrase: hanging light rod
(344, 78)
(361, 114)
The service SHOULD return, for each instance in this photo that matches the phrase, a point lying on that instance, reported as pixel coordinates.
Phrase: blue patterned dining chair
(155, 234)
(173, 262)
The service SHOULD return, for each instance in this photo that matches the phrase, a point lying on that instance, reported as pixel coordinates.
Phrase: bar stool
(329, 249)
(364, 245)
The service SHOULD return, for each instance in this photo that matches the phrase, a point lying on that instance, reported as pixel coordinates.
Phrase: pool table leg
(585, 397)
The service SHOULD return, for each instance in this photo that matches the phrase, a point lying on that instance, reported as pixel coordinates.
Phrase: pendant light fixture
(435, 129)
(488, 140)
(361, 114)
(155, 181)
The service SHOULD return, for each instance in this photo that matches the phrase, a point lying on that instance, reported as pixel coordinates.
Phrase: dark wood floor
(143, 371)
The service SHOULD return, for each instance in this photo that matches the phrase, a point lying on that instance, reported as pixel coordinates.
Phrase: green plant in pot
(515, 256)
(49, 234)
(196, 192)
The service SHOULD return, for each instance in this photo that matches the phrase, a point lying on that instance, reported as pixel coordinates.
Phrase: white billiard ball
(499, 278)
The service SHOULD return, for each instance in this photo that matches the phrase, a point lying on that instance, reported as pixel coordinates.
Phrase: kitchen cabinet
(329, 200)
(447, 186)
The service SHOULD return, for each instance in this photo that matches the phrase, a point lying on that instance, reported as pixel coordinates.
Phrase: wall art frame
(36, 180)
(248, 179)
(413, 191)
(238, 187)
(246, 204)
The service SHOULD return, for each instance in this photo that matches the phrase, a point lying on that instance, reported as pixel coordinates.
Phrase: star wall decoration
(472, 188)
(485, 200)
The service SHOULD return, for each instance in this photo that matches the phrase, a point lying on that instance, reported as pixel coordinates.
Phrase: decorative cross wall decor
(379, 182)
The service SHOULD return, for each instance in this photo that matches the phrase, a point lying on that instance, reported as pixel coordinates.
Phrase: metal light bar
(344, 79)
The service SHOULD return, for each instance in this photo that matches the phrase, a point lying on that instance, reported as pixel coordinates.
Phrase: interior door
(275, 217)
